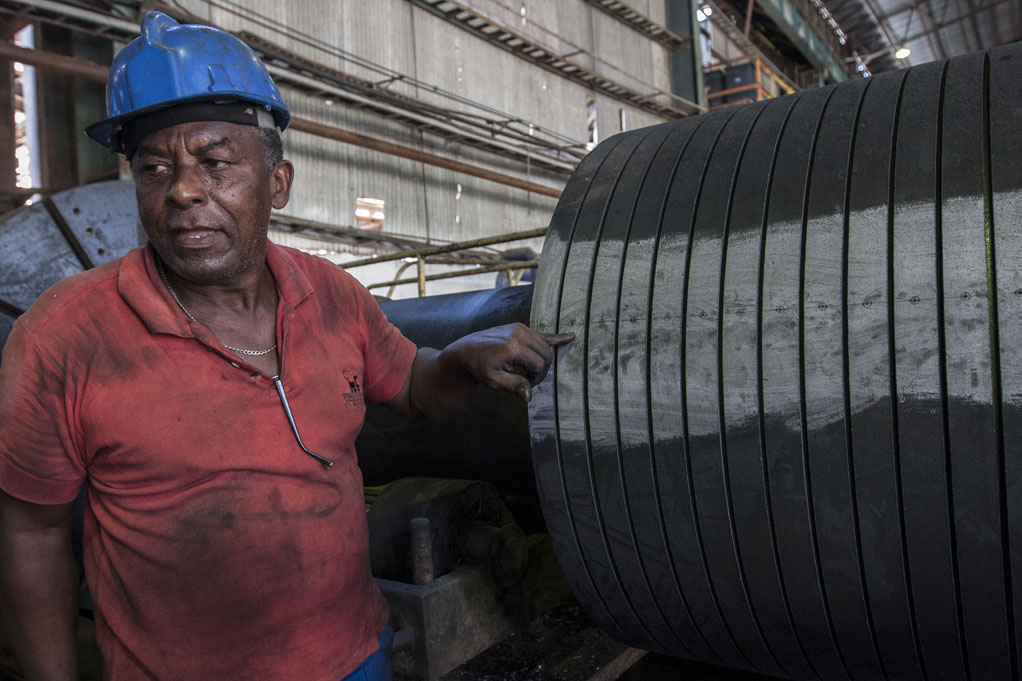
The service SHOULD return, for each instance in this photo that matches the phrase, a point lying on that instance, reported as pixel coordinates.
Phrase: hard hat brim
(108, 131)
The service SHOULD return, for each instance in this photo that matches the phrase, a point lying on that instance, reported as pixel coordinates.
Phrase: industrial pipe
(788, 438)
(490, 441)
(95, 72)
(58, 63)
(360, 140)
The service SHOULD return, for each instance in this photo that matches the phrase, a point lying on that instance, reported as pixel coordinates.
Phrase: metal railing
(420, 254)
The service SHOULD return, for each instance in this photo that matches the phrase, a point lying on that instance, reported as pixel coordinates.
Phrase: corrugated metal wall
(421, 200)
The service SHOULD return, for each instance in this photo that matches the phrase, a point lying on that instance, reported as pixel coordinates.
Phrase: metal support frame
(449, 248)
(720, 21)
(923, 22)
(8, 169)
(881, 26)
(521, 46)
(423, 278)
(631, 17)
(935, 29)
(418, 257)
(751, 4)
(790, 17)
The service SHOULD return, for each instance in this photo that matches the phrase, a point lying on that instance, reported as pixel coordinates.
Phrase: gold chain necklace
(173, 294)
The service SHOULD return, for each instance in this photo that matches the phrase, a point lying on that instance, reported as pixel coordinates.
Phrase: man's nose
(187, 187)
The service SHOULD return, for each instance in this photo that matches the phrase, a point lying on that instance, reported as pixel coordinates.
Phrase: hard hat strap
(244, 113)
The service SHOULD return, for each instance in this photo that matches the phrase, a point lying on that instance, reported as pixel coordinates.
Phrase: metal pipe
(748, 17)
(422, 550)
(97, 73)
(449, 248)
(503, 267)
(496, 422)
(54, 62)
(289, 77)
(360, 140)
(421, 271)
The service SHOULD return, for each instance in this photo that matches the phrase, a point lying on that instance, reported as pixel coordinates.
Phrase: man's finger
(556, 340)
(531, 364)
(513, 383)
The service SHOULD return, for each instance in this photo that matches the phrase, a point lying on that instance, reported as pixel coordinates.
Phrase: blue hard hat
(171, 64)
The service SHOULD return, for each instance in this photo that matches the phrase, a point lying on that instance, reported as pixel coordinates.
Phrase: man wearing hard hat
(208, 388)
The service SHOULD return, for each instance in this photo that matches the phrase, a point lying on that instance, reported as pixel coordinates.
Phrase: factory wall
(358, 37)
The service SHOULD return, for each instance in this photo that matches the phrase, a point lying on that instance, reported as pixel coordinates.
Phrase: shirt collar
(139, 284)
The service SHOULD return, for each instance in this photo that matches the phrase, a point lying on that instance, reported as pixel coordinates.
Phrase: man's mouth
(196, 238)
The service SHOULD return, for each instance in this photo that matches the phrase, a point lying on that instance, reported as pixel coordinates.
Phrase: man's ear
(281, 176)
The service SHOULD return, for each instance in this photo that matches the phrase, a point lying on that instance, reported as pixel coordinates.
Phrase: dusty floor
(564, 645)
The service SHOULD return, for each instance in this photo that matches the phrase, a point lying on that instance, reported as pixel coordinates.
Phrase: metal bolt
(422, 551)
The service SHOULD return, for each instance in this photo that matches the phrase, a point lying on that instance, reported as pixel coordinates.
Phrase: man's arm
(39, 588)
(442, 383)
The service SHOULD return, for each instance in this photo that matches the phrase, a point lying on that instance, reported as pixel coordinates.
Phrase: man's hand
(512, 358)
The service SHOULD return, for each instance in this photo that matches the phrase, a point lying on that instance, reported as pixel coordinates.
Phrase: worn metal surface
(455, 617)
(99, 219)
(785, 439)
(476, 554)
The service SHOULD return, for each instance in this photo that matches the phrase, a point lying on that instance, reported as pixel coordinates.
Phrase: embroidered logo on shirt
(352, 398)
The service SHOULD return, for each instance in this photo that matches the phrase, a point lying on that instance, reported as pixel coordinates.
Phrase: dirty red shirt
(215, 548)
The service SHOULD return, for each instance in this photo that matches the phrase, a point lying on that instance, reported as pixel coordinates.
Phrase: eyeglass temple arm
(294, 428)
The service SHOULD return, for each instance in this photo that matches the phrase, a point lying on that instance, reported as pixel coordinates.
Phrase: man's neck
(246, 293)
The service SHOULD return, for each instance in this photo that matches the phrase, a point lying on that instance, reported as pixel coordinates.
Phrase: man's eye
(215, 163)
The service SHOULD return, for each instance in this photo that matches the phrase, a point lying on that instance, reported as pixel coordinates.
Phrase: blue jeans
(377, 666)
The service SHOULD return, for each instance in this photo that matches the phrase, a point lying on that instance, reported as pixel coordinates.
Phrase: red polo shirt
(215, 548)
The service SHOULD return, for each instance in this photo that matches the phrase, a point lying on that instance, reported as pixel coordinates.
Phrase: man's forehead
(200, 135)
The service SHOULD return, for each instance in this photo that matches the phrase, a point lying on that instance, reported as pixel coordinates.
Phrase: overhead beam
(881, 26)
(630, 16)
(950, 23)
(791, 22)
(522, 46)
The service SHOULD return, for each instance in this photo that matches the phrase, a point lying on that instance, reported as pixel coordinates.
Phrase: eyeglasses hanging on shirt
(294, 428)
(276, 379)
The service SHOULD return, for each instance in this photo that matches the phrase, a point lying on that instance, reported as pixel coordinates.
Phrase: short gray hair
(273, 149)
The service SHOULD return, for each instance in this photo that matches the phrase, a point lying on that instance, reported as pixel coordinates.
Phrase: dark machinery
(69, 232)
(785, 438)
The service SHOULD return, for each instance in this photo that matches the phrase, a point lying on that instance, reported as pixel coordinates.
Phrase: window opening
(369, 213)
(26, 118)
(594, 135)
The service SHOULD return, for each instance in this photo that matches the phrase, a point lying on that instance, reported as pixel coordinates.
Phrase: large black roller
(786, 438)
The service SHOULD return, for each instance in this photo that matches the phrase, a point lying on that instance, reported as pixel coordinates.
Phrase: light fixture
(902, 53)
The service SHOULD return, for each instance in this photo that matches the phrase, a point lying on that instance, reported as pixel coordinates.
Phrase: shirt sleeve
(388, 355)
(39, 460)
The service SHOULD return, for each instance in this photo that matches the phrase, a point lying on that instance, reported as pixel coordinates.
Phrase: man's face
(204, 197)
